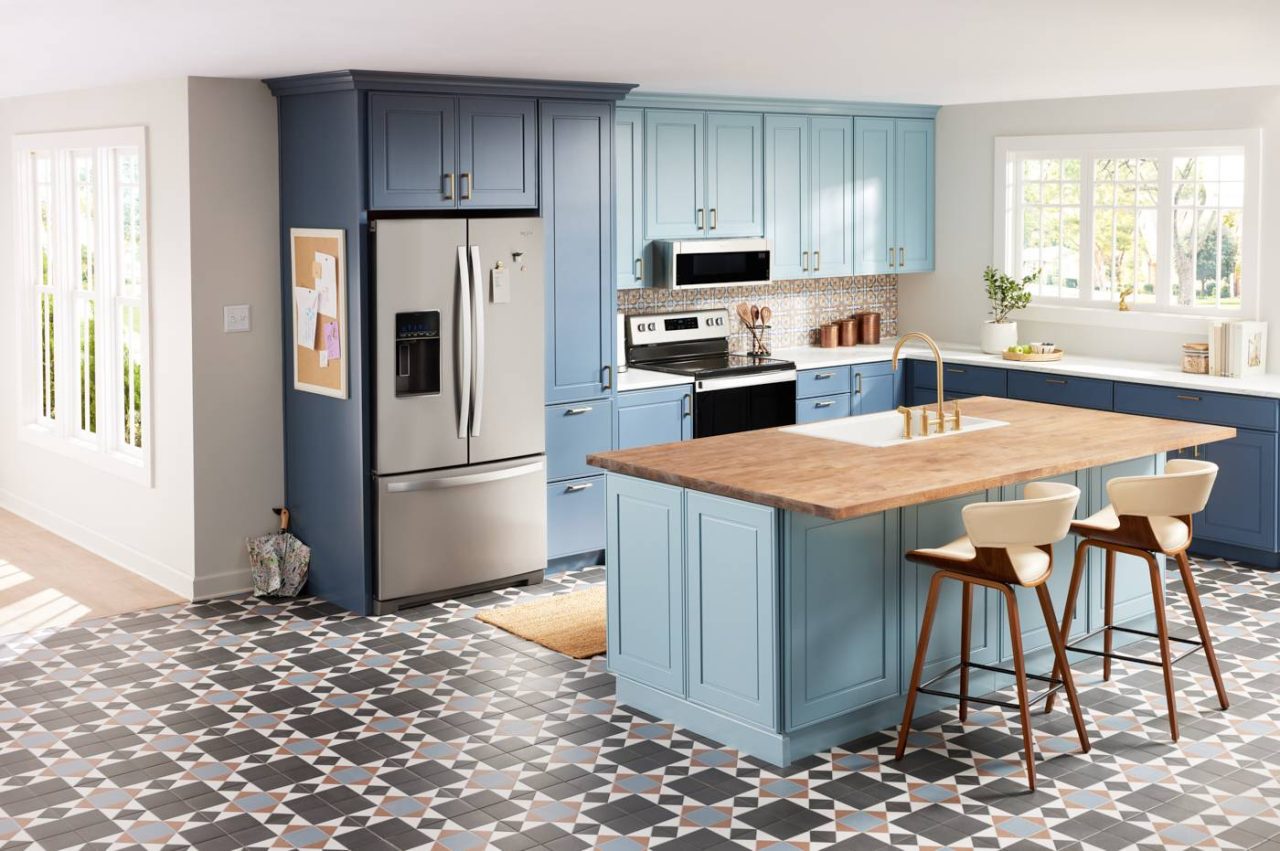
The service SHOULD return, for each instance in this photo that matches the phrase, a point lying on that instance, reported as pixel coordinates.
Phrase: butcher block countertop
(838, 480)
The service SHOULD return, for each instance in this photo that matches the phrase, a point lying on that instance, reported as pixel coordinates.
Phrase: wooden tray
(1056, 354)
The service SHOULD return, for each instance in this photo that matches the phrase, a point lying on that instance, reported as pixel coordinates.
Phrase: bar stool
(1008, 544)
(1147, 515)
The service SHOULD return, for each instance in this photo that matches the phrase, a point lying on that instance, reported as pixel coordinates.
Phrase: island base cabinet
(1133, 576)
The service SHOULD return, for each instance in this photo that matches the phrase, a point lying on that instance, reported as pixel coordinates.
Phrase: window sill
(1136, 320)
(116, 463)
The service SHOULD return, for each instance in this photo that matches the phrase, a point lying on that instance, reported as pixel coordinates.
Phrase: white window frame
(1084, 309)
(105, 449)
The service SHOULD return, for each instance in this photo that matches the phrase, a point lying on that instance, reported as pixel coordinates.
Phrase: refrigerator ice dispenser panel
(417, 353)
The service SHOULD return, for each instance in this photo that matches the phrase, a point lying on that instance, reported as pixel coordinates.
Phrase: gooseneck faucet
(937, 357)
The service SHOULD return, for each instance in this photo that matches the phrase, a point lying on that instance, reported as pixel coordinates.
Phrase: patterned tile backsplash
(799, 307)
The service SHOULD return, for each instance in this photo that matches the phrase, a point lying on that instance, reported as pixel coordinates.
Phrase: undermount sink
(883, 429)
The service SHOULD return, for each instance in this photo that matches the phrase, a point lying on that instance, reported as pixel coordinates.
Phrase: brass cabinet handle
(902, 256)
(700, 227)
(715, 220)
(639, 268)
(892, 254)
(954, 369)
(687, 405)
(1189, 398)
(826, 404)
(1055, 381)
(607, 370)
(857, 383)
(573, 412)
(1195, 451)
(579, 487)
(466, 191)
(448, 193)
(804, 261)
(817, 260)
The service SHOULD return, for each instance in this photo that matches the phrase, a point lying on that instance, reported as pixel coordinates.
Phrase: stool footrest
(1076, 648)
(1054, 685)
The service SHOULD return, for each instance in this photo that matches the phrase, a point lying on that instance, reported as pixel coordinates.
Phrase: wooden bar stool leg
(1162, 630)
(1184, 567)
(1073, 591)
(1109, 612)
(966, 614)
(1020, 673)
(926, 627)
(1060, 657)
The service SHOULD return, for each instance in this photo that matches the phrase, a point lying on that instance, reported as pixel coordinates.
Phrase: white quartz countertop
(1141, 372)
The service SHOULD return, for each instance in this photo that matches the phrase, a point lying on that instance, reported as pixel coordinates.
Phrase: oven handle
(707, 385)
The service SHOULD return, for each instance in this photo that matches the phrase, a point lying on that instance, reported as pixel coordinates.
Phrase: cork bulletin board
(319, 308)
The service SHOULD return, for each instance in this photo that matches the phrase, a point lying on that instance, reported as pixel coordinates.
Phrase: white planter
(998, 336)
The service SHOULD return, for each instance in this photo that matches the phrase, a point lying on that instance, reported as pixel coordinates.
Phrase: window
(1167, 220)
(82, 272)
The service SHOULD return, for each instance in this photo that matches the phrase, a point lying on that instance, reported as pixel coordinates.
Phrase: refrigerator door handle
(465, 479)
(463, 339)
(477, 363)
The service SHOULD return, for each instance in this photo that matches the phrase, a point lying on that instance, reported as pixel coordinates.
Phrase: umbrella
(279, 561)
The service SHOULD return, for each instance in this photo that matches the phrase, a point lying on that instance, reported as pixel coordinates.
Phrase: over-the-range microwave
(687, 264)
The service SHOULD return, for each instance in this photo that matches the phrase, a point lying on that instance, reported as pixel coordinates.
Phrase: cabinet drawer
(1198, 406)
(822, 382)
(575, 516)
(973, 380)
(822, 408)
(1061, 390)
(575, 431)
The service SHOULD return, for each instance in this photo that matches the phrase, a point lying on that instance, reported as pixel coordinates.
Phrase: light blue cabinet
(846, 656)
(675, 180)
(809, 188)
(893, 187)
(876, 387)
(647, 417)
(628, 169)
(735, 153)
(577, 213)
(575, 516)
(497, 153)
(412, 151)
(644, 575)
(731, 597)
(573, 432)
(821, 408)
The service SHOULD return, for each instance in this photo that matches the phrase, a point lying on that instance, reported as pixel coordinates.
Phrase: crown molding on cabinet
(736, 103)
(395, 81)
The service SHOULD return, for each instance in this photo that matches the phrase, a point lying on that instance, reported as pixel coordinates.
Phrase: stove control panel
(678, 327)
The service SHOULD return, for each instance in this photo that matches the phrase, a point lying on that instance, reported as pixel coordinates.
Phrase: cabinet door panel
(787, 185)
(628, 149)
(873, 192)
(648, 417)
(1133, 579)
(873, 393)
(497, 152)
(735, 164)
(1242, 507)
(821, 408)
(575, 516)
(832, 199)
(411, 151)
(913, 167)
(674, 180)
(577, 213)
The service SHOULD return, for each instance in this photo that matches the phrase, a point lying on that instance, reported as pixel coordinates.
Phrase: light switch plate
(235, 318)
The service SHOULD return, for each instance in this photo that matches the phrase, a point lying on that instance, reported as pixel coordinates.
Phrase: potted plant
(1006, 295)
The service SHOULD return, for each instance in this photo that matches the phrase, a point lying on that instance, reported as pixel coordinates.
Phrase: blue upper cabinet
(913, 161)
(893, 187)
(628, 169)
(786, 176)
(735, 204)
(412, 151)
(497, 152)
(675, 156)
(577, 213)
(831, 228)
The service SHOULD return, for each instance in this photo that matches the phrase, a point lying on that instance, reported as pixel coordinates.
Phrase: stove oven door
(743, 403)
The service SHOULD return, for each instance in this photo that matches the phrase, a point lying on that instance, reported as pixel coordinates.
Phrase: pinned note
(325, 272)
(307, 300)
(332, 348)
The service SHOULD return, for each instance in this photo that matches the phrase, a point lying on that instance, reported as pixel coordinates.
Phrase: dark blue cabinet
(412, 151)
(1061, 389)
(1242, 507)
(647, 417)
(497, 152)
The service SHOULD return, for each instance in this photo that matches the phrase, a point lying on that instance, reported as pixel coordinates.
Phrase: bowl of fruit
(1033, 352)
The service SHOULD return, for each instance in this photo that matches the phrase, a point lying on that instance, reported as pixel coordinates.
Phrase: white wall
(950, 302)
(147, 529)
(235, 250)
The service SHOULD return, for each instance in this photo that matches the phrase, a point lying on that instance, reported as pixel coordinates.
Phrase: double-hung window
(1168, 221)
(81, 260)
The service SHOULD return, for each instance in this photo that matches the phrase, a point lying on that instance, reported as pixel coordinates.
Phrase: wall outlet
(235, 318)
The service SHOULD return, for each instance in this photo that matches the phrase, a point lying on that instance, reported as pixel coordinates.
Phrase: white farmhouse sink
(884, 429)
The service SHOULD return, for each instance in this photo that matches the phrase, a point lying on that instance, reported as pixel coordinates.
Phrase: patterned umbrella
(279, 561)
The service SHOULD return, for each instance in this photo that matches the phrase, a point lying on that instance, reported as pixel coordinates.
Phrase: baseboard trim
(228, 583)
(114, 551)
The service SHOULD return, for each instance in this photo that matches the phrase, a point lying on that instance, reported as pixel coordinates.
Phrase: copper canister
(848, 332)
(829, 335)
(868, 327)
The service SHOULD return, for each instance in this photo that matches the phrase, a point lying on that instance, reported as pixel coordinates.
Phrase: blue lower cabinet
(575, 516)
(929, 395)
(821, 408)
(1093, 393)
(822, 382)
(843, 656)
(647, 417)
(876, 393)
(644, 572)
(972, 380)
(574, 431)
(732, 605)
(1175, 403)
(1242, 507)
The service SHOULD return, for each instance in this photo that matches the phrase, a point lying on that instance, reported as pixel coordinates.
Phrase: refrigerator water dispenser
(417, 353)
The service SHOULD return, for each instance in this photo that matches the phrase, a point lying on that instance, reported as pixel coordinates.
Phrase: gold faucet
(937, 357)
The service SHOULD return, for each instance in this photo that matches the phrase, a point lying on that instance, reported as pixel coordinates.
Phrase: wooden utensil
(765, 315)
(744, 313)
(755, 315)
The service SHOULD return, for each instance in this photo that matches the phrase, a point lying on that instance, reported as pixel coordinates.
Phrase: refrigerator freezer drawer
(461, 527)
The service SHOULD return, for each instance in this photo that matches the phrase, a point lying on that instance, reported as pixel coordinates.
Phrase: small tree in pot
(1006, 295)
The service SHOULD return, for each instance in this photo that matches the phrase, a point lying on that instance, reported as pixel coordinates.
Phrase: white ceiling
(921, 51)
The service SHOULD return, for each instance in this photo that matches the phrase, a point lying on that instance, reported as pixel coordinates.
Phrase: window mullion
(1086, 226)
(1164, 230)
(64, 325)
(103, 312)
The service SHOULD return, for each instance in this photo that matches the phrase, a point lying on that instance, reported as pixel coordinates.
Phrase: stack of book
(1237, 348)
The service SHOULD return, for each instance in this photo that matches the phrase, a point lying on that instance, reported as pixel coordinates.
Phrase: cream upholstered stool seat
(1148, 516)
(1008, 544)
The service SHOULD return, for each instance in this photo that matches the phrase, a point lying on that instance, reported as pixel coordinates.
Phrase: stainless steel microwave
(693, 263)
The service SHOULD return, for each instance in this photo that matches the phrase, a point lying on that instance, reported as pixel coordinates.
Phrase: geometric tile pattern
(242, 723)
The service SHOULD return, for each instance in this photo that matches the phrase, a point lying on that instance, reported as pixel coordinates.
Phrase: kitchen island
(757, 589)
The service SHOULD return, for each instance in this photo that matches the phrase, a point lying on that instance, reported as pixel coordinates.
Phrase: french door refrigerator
(459, 434)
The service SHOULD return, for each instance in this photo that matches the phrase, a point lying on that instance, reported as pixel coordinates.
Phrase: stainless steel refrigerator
(459, 437)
